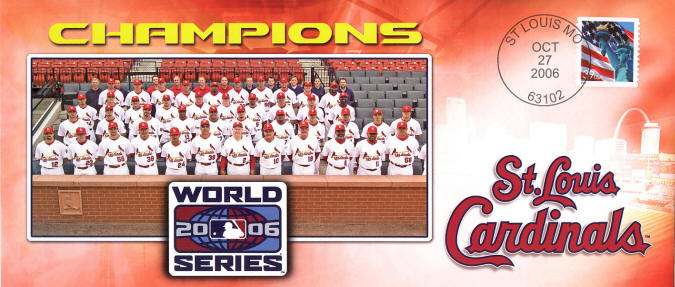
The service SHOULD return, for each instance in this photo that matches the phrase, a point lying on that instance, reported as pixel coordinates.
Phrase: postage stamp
(610, 54)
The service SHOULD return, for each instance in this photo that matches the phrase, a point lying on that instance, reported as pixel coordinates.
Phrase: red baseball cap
(281, 112)
(236, 124)
(111, 81)
(135, 99)
(377, 112)
(406, 108)
(204, 122)
(174, 131)
(236, 80)
(80, 131)
(241, 108)
(81, 97)
(333, 84)
(112, 125)
(137, 82)
(161, 80)
(226, 96)
(345, 111)
(311, 97)
(147, 107)
(340, 127)
(303, 124)
(111, 94)
(214, 84)
(343, 95)
(50, 130)
(268, 127)
(312, 111)
(372, 130)
(182, 108)
(402, 124)
(252, 96)
(166, 97)
(108, 108)
(213, 109)
(284, 80)
(72, 109)
(280, 95)
(261, 78)
(142, 125)
(308, 84)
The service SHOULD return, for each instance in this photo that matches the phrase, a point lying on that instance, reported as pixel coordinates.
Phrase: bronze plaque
(70, 202)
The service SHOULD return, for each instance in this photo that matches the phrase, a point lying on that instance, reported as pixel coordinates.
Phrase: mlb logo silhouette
(227, 229)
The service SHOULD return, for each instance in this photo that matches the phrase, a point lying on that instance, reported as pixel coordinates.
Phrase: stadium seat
(423, 138)
(368, 87)
(420, 113)
(357, 73)
(366, 103)
(375, 95)
(341, 74)
(415, 94)
(423, 124)
(420, 87)
(103, 86)
(421, 103)
(393, 94)
(395, 81)
(350, 80)
(412, 81)
(126, 86)
(399, 103)
(85, 86)
(419, 74)
(358, 95)
(388, 114)
(403, 74)
(397, 113)
(354, 87)
(385, 103)
(169, 85)
(423, 80)
(377, 80)
(362, 80)
(385, 87)
(405, 87)
(70, 89)
(364, 113)
(388, 73)
(372, 73)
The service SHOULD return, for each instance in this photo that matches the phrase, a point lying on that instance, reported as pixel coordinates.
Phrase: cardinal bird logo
(149, 148)
(212, 146)
(244, 148)
(378, 153)
(309, 147)
(408, 148)
(120, 147)
(54, 152)
(275, 149)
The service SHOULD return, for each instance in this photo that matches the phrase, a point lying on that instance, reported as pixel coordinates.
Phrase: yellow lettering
(99, 33)
(188, 31)
(56, 33)
(278, 33)
(170, 32)
(393, 30)
(295, 33)
(260, 30)
(343, 30)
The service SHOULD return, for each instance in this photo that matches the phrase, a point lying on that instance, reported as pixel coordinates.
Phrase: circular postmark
(538, 60)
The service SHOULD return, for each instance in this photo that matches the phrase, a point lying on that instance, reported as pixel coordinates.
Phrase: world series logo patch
(227, 229)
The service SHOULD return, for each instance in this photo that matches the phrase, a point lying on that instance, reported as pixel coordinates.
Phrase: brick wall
(311, 199)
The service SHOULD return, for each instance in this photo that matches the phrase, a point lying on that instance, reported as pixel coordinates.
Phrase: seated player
(226, 110)
(369, 154)
(145, 150)
(401, 151)
(199, 110)
(51, 153)
(134, 114)
(316, 129)
(338, 153)
(237, 153)
(248, 126)
(218, 127)
(206, 150)
(118, 111)
(104, 125)
(83, 154)
(269, 152)
(68, 127)
(304, 151)
(86, 113)
(114, 151)
(414, 128)
(185, 125)
(311, 104)
(380, 126)
(177, 153)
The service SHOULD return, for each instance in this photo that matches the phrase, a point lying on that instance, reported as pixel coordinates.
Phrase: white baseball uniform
(157, 96)
(183, 99)
(119, 97)
(303, 153)
(339, 156)
(145, 155)
(67, 130)
(83, 157)
(351, 131)
(51, 157)
(213, 100)
(303, 114)
(226, 113)
(247, 125)
(270, 155)
(186, 128)
(264, 96)
(114, 153)
(132, 116)
(143, 97)
(283, 132)
(291, 98)
(206, 151)
(176, 157)
(88, 115)
(118, 112)
(328, 101)
(102, 128)
(288, 110)
(401, 154)
(423, 157)
(414, 128)
(218, 129)
(198, 112)
(302, 98)
(382, 131)
(369, 157)
(238, 97)
(318, 131)
(165, 116)
(154, 128)
(257, 115)
(238, 154)
(335, 114)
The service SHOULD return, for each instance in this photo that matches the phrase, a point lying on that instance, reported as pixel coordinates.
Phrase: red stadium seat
(78, 75)
(189, 74)
(205, 63)
(192, 63)
(179, 63)
(216, 75)
(218, 63)
(70, 63)
(206, 73)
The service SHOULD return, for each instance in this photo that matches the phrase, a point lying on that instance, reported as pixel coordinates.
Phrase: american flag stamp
(609, 54)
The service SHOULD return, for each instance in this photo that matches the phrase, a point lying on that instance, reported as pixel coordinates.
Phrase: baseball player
(185, 125)
(133, 115)
(282, 128)
(401, 151)
(83, 154)
(86, 113)
(335, 113)
(423, 157)
(51, 153)
(103, 125)
(331, 99)
(304, 151)
(103, 96)
(257, 114)
(157, 95)
(145, 150)
(138, 91)
(303, 112)
(281, 106)
(199, 110)
(155, 126)
(218, 127)
(237, 153)
(338, 153)
(155, 85)
(118, 111)
(67, 128)
(248, 125)
(176, 89)
(165, 114)
(177, 153)
(238, 96)
(352, 130)
(224, 86)
(381, 127)
(226, 110)
(301, 99)
(288, 94)
(202, 89)
(263, 94)
(186, 97)
(269, 151)
(206, 149)
(369, 154)
(414, 128)
(316, 129)
(214, 97)
(113, 151)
